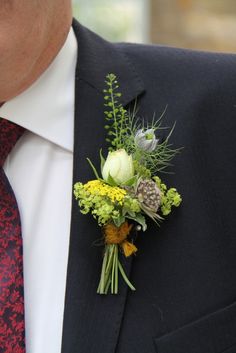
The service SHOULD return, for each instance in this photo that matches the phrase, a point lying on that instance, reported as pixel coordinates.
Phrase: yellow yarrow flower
(114, 193)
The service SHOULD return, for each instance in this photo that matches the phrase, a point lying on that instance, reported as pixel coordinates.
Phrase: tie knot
(9, 135)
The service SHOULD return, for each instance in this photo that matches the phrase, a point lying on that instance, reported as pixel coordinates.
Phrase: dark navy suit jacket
(185, 271)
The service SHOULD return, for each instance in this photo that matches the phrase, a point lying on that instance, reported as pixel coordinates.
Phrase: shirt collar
(47, 107)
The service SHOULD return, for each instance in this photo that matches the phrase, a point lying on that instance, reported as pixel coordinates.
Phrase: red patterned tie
(12, 326)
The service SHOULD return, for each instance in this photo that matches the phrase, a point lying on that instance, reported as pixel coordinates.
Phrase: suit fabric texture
(184, 271)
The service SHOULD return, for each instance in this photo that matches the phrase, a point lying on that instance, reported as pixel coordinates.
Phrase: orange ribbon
(118, 235)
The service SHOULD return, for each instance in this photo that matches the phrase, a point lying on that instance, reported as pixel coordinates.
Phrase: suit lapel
(92, 322)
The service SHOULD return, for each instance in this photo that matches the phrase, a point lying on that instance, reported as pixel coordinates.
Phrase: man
(185, 271)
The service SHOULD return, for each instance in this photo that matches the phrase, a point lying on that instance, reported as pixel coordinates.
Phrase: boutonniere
(129, 189)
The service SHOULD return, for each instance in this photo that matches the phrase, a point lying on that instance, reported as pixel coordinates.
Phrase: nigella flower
(146, 140)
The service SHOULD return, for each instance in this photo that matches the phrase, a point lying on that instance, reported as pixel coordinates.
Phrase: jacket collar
(92, 322)
(98, 57)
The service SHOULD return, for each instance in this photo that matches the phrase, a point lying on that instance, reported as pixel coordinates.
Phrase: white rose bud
(119, 165)
(146, 140)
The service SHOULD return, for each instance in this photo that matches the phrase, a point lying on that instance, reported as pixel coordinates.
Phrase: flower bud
(146, 140)
(119, 165)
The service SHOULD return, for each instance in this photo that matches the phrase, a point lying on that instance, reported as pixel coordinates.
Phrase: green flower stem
(110, 249)
(108, 273)
(112, 275)
(103, 279)
(125, 277)
(101, 286)
(111, 267)
(116, 271)
(107, 285)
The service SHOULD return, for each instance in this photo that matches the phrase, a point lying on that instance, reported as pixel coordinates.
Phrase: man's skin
(31, 34)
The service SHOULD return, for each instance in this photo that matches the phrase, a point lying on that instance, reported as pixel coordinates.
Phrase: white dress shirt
(39, 169)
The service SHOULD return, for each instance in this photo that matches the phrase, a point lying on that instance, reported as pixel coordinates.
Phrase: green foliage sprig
(116, 116)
